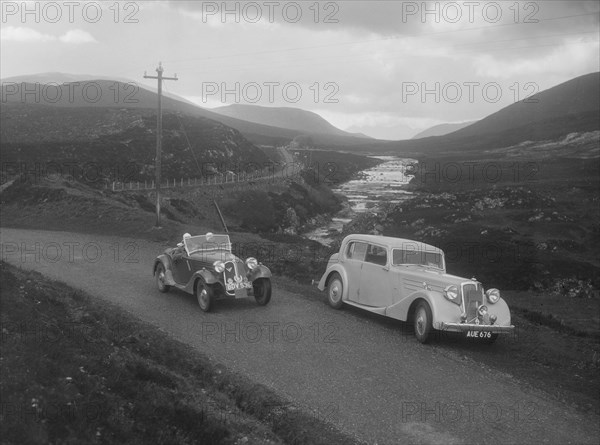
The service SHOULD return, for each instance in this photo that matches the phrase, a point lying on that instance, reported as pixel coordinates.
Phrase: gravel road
(369, 378)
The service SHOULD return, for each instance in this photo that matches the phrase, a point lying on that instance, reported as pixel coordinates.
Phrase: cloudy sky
(389, 69)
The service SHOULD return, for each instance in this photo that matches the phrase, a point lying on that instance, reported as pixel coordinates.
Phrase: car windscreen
(417, 256)
(202, 243)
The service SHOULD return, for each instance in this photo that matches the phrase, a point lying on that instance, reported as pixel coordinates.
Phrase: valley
(512, 199)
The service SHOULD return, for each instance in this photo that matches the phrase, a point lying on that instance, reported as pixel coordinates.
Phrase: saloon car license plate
(479, 334)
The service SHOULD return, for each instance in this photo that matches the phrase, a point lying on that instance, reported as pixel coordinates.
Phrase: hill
(566, 104)
(283, 117)
(442, 129)
(120, 139)
(571, 107)
(89, 92)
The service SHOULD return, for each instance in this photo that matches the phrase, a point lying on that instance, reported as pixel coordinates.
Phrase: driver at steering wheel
(180, 250)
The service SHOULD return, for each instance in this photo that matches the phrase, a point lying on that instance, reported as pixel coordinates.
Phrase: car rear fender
(166, 262)
(329, 273)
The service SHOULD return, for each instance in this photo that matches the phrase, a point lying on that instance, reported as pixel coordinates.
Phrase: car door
(353, 258)
(182, 270)
(375, 278)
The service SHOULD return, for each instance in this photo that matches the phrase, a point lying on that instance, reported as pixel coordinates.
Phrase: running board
(375, 310)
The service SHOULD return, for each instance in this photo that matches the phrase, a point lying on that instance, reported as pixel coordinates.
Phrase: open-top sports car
(204, 266)
(407, 280)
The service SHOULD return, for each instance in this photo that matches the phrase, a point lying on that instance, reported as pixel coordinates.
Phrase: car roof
(399, 243)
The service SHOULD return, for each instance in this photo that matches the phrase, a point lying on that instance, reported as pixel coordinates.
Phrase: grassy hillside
(76, 370)
(119, 143)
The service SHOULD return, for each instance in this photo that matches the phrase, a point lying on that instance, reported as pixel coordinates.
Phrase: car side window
(356, 251)
(376, 255)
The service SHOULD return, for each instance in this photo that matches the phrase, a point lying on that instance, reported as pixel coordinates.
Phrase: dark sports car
(204, 266)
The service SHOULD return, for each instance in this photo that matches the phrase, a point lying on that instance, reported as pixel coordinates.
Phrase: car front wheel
(161, 278)
(262, 291)
(335, 290)
(205, 296)
(423, 323)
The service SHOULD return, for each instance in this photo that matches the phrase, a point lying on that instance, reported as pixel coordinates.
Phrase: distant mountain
(61, 78)
(283, 117)
(63, 91)
(557, 111)
(442, 129)
(571, 107)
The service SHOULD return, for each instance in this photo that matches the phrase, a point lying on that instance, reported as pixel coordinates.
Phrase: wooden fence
(216, 179)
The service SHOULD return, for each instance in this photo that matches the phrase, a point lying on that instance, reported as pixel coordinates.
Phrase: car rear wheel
(262, 291)
(423, 323)
(205, 296)
(335, 290)
(161, 278)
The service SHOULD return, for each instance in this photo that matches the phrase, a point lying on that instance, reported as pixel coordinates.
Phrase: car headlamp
(482, 310)
(219, 266)
(251, 263)
(493, 295)
(451, 292)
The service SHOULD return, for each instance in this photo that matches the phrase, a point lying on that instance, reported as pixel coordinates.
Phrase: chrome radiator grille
(473, 298)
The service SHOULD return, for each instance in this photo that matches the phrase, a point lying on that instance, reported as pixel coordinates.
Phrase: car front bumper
(465, 327)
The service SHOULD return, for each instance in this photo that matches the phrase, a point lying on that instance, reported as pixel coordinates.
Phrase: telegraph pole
(157, 164)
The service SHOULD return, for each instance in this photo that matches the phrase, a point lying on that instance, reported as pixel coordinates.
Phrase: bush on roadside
(574, 288)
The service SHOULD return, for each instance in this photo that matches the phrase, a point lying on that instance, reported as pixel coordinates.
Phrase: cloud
(28, 35)
(77, 36)
(20, 34)
(571, 57)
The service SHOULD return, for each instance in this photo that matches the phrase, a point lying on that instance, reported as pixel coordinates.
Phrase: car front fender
(259, 272)
(205, 276)
(441, 308)
(500, 309)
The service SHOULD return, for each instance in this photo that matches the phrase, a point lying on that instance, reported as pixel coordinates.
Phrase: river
(383, 183)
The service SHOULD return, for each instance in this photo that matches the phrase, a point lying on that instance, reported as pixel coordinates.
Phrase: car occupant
(180, 250)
